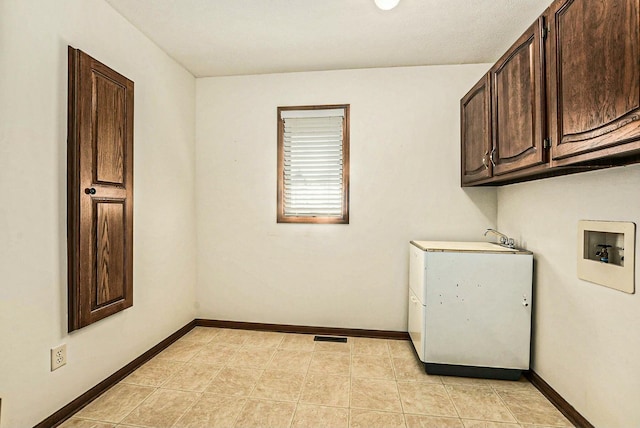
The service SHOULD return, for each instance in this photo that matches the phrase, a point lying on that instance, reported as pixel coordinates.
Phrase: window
(313, 164)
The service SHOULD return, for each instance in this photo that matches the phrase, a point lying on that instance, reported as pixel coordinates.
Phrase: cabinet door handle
(484, 160)
(491, 157)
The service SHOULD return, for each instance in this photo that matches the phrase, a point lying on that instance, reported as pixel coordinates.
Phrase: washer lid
(466, 247)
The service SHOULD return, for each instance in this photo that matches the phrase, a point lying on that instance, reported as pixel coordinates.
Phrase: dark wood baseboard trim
(285, 328)
(70, 409)
(556, 399)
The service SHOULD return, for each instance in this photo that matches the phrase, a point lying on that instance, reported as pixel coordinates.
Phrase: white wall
(34, 35)
(404, 185)
(586, 340)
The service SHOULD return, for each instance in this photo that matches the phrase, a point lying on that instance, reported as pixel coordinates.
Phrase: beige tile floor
(236, 378)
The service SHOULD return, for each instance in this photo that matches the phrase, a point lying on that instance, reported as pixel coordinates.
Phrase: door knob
(90, 191)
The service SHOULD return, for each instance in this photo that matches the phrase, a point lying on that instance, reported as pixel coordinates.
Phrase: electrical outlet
(58, 356)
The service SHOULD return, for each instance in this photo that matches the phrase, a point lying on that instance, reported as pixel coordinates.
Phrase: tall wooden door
(475, 132)
(594, 78)
(517, 104)
(100, 190)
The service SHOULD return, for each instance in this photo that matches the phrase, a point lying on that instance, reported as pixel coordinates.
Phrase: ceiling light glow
(386, 4)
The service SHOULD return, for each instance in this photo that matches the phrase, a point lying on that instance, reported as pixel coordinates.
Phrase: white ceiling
(233, 37)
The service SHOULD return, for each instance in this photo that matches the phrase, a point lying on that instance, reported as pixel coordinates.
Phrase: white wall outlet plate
(58, 356)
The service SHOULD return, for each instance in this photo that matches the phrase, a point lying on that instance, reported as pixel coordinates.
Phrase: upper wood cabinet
(517, 104)
(503, 115)
(594, 79)
(475, 132)
(564, 98)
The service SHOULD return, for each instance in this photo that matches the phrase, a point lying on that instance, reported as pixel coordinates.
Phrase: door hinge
(545, 32)
(546, 143)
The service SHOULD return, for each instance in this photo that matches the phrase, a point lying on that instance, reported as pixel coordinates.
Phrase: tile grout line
(248, 398)
(246, 402)
(350, 386)
(204, 389)
(444, 385)
(395, 378)
(505, 404)
(132, 410)
(395, 375)
(201, 393)
(224, 366)
(301, 386)
(297, 401)
(304, 380)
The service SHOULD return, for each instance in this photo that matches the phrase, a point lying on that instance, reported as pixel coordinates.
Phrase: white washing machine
(470, 308)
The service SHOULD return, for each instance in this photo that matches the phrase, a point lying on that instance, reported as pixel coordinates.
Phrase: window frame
(344, 217)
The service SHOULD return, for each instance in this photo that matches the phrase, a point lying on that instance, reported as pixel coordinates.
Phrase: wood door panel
(109, 117)
(614, 88)
(100, 190)
(110, 281)
(475, 132)
(518, 105)
(513, 90)
(594, 75)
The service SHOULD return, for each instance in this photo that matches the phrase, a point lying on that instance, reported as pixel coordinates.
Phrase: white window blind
(313, 162)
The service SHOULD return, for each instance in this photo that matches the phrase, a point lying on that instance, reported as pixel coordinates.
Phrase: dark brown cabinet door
(517, 102)
(475, 132)
(594, 79)
(100, 190)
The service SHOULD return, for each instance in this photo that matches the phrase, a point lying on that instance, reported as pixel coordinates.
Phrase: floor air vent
(330, 339)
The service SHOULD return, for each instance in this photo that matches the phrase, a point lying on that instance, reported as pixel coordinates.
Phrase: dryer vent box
(606, 253)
